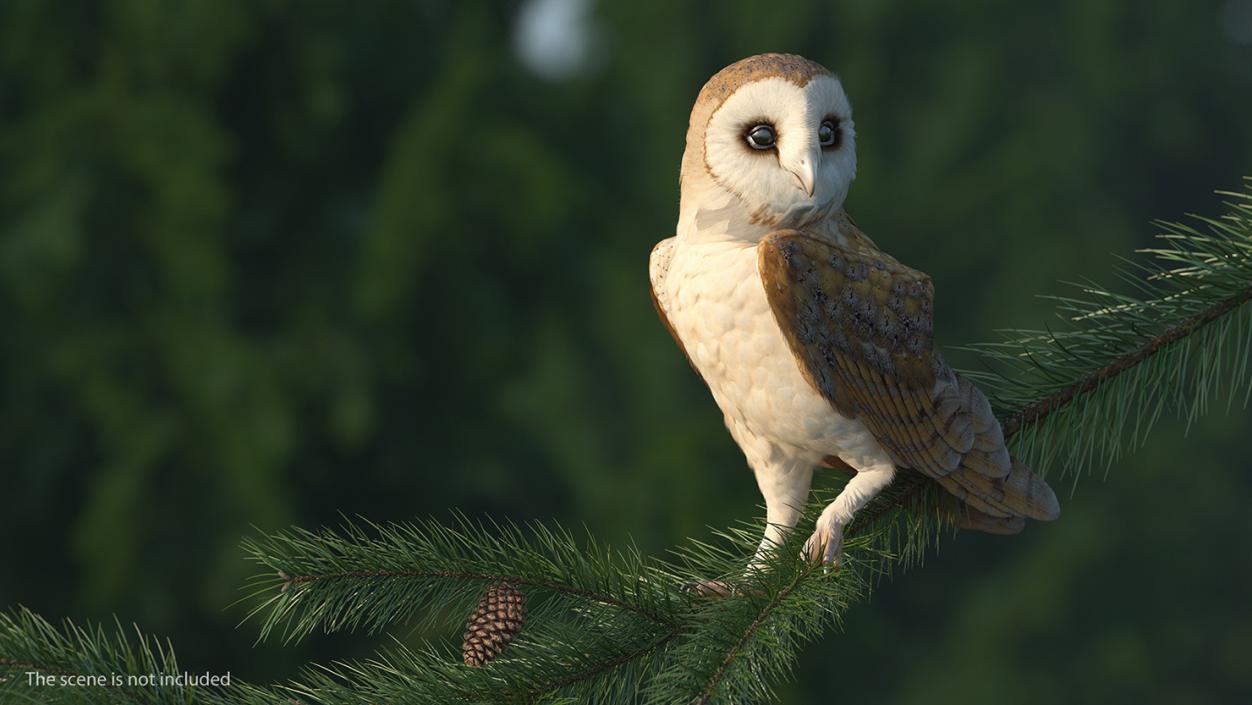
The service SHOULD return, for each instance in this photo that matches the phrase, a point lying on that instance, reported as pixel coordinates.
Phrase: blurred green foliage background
(265, 262)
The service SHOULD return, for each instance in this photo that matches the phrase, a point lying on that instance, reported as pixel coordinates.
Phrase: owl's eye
(828, 133)
(761, 137)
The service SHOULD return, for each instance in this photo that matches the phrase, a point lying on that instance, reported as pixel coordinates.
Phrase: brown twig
(1037, 411)
(607, 665)
(718, 675)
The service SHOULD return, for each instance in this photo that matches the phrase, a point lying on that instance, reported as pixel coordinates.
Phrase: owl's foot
(826, 543)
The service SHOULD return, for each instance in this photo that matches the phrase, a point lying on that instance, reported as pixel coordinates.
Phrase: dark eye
(828, 133)
(761, 137)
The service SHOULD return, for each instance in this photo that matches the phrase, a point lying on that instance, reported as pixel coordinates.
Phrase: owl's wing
(860, 325)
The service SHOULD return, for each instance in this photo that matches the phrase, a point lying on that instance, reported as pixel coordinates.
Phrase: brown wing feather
(860, 325)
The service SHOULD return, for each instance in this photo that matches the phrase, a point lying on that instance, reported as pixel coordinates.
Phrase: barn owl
(816, 345)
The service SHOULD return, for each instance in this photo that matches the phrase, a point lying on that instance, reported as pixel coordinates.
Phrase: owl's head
(773, 131)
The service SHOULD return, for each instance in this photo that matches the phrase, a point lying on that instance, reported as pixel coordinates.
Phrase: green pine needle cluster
(1084, 394)
(615, 626)
(69, 655)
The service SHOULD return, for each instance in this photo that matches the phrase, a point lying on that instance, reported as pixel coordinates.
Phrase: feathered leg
(785, 486)
(784, 482)
(826, 543)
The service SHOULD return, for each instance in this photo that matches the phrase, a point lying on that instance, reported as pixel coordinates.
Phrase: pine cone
(495, 622)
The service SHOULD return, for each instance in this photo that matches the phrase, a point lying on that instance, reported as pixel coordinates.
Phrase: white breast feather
(712, 294)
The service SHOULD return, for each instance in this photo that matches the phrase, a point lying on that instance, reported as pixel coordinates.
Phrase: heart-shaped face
(785, 148)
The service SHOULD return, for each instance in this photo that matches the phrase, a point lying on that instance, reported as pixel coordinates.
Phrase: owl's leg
(785, 486)
(784, 483)
(826, 543)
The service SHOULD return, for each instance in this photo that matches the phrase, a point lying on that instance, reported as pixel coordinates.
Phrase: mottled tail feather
(1030, 494)
(975, 520)
(1022, 494)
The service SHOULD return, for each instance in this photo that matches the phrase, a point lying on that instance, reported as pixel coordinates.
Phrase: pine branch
(83, 665)
(549, 669)
(351, 579)
(608, 626)
(357, 578)
(605, 609)
(736, 649)
(720, 674)
(1040, 409)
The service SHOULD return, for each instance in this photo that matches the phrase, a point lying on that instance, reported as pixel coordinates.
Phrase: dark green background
(265, 262)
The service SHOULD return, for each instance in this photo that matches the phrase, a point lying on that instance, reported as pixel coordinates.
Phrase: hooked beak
(805, 169)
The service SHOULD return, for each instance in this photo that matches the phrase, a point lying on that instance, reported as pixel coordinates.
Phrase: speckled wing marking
(860, 325)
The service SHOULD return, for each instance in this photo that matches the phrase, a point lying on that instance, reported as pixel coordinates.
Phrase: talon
(826, 543)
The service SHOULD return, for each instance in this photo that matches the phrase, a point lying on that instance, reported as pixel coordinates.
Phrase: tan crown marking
(789, 67)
